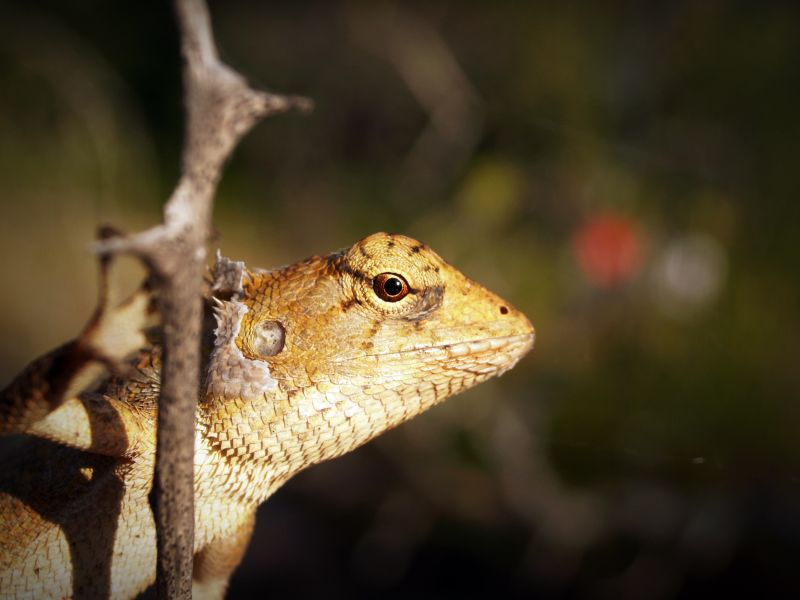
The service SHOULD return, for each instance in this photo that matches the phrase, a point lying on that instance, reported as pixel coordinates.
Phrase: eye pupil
(393, 286)
(390, 287)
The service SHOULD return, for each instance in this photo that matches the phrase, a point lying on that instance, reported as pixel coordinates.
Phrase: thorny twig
(220, 108)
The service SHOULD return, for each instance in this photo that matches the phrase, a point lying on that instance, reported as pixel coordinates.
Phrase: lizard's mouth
(490, 355)
(503, 349)
(469, 348)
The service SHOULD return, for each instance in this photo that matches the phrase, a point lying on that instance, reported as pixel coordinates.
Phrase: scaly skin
(306, 363)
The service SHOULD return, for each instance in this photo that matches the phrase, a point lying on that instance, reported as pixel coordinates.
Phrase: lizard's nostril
(503, 310)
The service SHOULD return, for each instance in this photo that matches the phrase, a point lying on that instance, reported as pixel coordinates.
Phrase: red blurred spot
(608, 250)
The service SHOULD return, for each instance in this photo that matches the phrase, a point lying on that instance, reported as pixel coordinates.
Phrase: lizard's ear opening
(266, 338)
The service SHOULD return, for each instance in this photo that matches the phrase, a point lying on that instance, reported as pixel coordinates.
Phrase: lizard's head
(363, 339)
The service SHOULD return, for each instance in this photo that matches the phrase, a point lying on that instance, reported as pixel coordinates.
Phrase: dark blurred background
(625, 173)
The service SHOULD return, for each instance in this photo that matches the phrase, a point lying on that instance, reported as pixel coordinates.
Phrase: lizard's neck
(231, 445)
(253, 445)
(249, 447)
(239, 453)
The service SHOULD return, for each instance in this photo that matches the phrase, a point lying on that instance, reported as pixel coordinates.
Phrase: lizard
(303, 364)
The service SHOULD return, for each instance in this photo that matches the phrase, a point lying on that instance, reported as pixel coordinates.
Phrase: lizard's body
(306, 363)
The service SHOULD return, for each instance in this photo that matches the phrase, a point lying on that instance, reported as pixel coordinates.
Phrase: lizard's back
(67, 513)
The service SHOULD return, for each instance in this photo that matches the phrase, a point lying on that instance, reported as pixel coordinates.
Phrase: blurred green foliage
(647, 442)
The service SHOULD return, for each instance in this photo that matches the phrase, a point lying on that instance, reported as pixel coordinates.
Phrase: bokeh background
(625, 173)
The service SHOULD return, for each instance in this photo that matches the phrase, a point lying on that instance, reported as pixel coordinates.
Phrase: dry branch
(220, 108)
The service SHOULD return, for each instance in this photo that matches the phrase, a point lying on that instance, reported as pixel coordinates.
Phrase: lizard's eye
(390, 287)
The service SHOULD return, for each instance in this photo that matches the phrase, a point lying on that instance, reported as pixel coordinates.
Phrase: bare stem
(220, 108)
